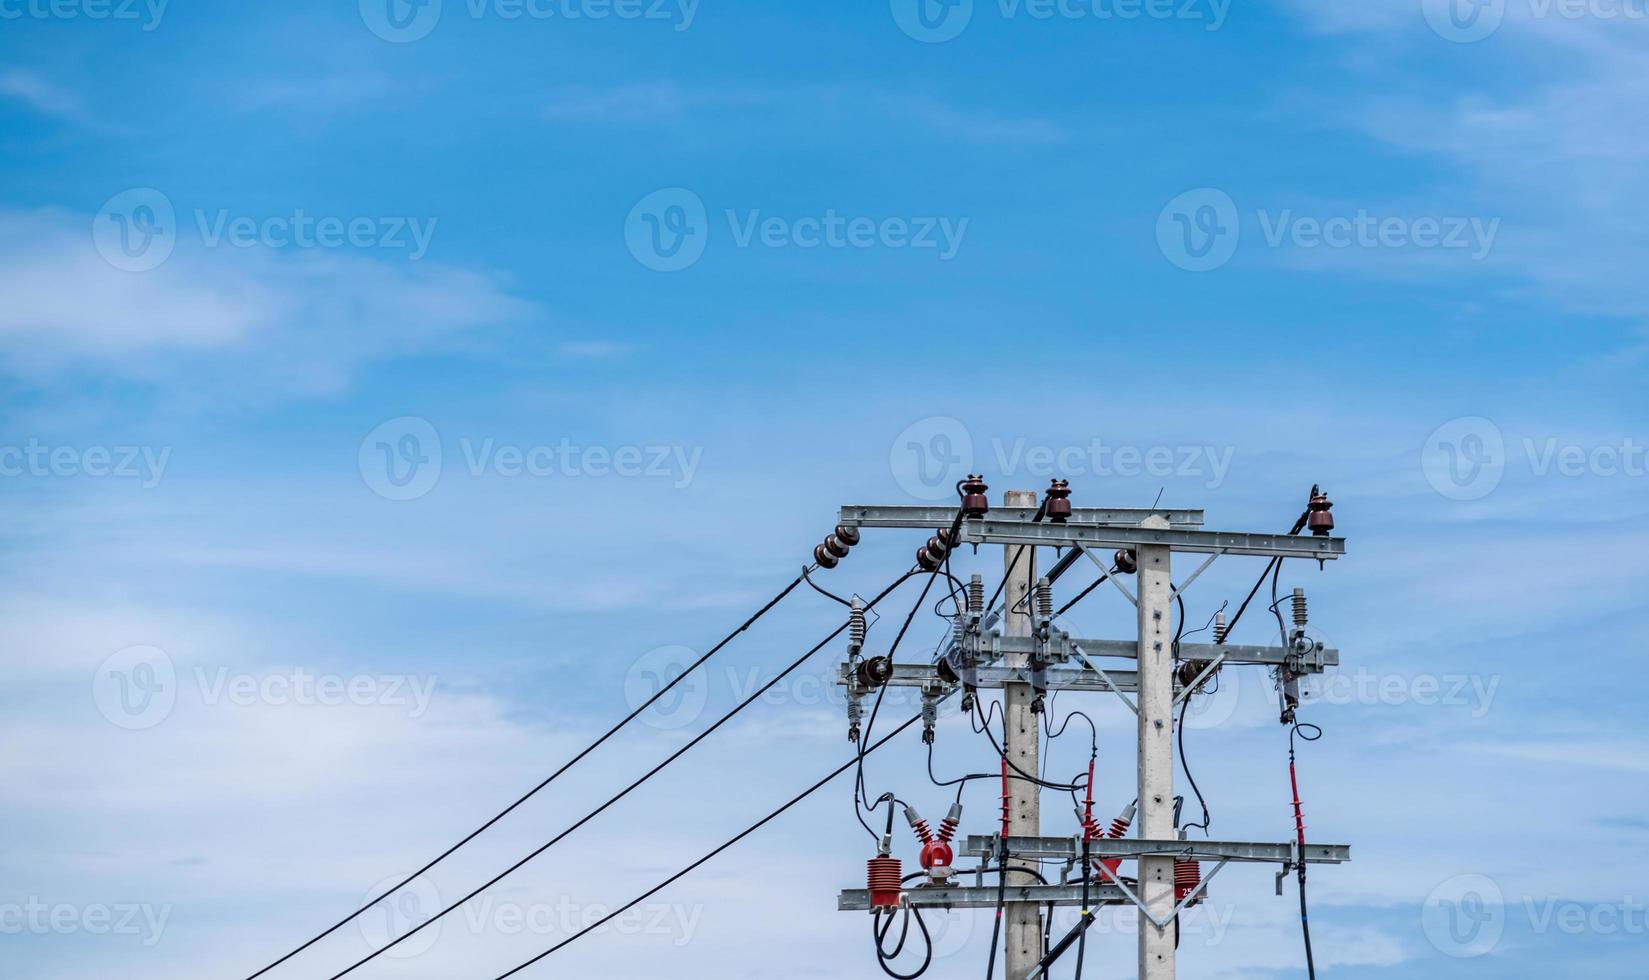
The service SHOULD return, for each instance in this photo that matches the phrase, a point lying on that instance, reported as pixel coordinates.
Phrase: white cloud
(240, 323)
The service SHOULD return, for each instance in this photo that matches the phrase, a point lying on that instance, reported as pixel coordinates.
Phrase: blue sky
(382, 404)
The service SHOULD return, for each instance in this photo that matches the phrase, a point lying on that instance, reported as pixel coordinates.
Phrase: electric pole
(1156, 754)
(1020, 649)
(1021, 742)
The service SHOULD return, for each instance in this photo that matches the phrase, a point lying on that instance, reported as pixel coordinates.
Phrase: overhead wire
(609, 733)
(741, 835)
(622, 793)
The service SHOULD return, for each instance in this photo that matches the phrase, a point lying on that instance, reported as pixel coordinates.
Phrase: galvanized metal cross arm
(1194, 652)
(878, 515)
(986, 896)
(1070, 848)
(929, 677)
(991, 530)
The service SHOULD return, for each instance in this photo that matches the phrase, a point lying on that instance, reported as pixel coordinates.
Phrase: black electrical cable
(1062, 787)
(741, 835)
(1096, 583)
(552, 777)
(1001, 903)
(620, 795)
(806, 574)
(859, 791)
(1206, 819)
(1305, 919)
(883, 958)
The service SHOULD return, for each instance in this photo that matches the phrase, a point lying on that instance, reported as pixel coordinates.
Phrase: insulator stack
(1090, 826)
(1044, 598)
(1125, 561)
(1222, 629)
(976, 594)
(885, 877)
(836, 546)
(974, 501)
(1319, 513)
(931, 555)
(1187, 876)
(1059, 502)
(1299, 608)
(856, 627)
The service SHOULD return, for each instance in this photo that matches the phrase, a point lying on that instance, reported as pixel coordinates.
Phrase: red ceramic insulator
(884, 879)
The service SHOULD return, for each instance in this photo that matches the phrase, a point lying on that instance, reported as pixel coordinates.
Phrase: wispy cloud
(39, 94)
(265, 322)
(668, 102)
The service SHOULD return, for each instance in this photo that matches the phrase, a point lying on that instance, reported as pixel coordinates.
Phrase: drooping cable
(621, 794)
(547, 781)
(884, 959)
(741, 835)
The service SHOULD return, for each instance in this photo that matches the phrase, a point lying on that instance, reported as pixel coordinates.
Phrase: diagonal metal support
(1111, 578)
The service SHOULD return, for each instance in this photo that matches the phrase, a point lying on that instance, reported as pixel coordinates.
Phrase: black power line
(741, 835)
(618, 796)
(552, 778)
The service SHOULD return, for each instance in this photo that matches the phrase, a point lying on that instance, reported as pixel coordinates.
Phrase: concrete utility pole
(1023, 652)
(1156, 754)
(1022, 745)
